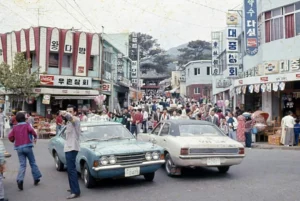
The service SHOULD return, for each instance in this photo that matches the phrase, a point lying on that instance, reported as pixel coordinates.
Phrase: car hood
(208, 142)
(115, 147)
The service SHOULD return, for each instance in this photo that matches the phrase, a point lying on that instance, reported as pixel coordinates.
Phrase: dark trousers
(133, 129)
(296, 139)
(72, 172)
(144, 126)
(248, 140)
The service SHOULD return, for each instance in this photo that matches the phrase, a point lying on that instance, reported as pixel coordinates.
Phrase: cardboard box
(274, 139)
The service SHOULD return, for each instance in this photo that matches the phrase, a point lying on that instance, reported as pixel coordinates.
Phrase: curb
(278, 148)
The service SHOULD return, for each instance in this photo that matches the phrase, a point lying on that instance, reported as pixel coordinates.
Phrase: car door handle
(165, 140)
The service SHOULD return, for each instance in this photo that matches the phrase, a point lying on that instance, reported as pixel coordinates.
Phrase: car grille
(214, 151)
(130, 159)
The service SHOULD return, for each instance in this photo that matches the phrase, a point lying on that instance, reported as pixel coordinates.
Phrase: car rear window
(199, 130)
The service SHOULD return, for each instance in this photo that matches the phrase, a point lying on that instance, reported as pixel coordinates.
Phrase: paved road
(264, 175)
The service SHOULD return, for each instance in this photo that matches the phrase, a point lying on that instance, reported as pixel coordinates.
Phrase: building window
(91, 64)
(208, 70)
(66, 63)
(289, 26)
(53, 60)
(197, 90)
(277, 28)
(297, 17)
(196, 71)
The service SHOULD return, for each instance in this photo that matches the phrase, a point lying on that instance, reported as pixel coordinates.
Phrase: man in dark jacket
(126, 119)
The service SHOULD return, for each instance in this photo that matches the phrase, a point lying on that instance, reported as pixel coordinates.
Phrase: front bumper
(118, 171)
(201, 160)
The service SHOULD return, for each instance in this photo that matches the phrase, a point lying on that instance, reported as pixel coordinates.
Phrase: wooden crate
(274, 139)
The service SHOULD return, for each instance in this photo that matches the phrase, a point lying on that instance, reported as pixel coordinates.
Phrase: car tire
(223, 169)
(149, 176)
(58, 164)
(88, 179)
(169, 164)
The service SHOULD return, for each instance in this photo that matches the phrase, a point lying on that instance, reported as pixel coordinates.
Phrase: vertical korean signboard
(216, 47)
(120, 67)
(250, 7)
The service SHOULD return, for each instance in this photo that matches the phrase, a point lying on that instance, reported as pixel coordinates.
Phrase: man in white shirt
(287, 124)
(145, 120)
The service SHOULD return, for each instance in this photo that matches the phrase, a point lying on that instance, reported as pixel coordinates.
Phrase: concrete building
(270, 77)
(71, 67)
(198, 79)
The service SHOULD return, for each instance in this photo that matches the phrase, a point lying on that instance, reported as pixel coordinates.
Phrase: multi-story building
(198, 79)
(270, 58)
(70, 66)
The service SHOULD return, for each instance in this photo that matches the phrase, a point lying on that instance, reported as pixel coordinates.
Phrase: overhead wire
(168, 18)
(206, 6)
(16, 13)
(72, 15)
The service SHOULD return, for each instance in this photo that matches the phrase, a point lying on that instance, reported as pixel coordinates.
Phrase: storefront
(277, 93)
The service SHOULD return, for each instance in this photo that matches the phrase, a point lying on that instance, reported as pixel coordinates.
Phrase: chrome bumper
(111, 167)
(211, 156)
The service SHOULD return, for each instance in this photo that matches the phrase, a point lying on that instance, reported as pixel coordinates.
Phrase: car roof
(187, 122)
(98, 123)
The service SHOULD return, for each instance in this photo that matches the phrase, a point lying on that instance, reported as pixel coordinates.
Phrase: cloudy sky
(172, 22)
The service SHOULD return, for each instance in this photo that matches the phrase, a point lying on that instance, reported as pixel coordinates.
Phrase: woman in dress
(241, 128)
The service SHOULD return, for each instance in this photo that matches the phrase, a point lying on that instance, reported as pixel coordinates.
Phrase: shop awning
(74, 97)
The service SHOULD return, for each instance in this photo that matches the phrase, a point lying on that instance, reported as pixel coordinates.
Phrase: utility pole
(112, 86)
(138, 71)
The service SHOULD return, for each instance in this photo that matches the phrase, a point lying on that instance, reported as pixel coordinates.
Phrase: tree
(148, 45)
(17, 79)
(195, 50)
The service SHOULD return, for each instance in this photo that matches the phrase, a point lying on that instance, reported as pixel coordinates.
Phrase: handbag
(254, 130)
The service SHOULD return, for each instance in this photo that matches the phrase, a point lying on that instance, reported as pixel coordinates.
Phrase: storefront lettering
(264, 79)
(281, 79)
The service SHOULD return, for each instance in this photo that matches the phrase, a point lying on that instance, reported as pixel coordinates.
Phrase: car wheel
(149, 176)
(223, 169)
(169, 165)
(88, 179)
(58, 164)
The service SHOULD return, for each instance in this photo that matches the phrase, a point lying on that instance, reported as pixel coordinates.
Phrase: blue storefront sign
(250, 13)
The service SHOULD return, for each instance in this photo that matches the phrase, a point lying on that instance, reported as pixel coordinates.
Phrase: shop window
(208, 70)
(297, 5)
(289, 26)
(91, 64)
(297, 17)
(197, 90)
(53, 60)
(289, 9)
(196, 71)
(268, 15)
(66, 63)
(32, 59)
(277, 28)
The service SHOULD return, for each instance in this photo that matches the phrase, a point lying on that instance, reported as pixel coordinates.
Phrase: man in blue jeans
(23, 136)
(71, 149)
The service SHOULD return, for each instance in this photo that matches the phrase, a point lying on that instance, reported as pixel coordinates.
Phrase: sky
(171, 22)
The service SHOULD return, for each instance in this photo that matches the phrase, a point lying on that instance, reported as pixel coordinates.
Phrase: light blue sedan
(108, 150)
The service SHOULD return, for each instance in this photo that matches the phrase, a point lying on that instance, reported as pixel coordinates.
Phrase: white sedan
(193, 143)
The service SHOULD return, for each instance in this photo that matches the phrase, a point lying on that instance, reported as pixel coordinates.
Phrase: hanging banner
(281, 86)
(251, 27)
(251, 88)
(275, 86)
(269, 87)
(46, 99)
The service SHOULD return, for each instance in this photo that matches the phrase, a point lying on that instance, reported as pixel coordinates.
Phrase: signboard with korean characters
(232, 71)
(81, 57)
(271, 67)
(106, 87)
(65, 81)
(232, 19)
(134, 69)
(250, 23)
(232, 58)
(54, 45)
(232, 46)
(69, 42)
(232, 33)
(223, 83)
(295, 64)
(120, 67)
(284, 65)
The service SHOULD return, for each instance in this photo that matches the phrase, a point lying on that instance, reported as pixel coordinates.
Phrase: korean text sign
(250, 13)
(65, 81)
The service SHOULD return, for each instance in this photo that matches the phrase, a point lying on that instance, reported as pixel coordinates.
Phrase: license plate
(134, 171)
(213, 161)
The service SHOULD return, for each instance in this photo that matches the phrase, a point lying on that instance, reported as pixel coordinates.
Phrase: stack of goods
(274, 139)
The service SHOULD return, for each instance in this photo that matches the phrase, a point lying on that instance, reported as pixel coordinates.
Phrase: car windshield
(104, 132)
(199, 130)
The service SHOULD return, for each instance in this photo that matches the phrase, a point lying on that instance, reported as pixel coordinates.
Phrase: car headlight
(155, 156)
(104, 160)
(112, 160)
(148, 156)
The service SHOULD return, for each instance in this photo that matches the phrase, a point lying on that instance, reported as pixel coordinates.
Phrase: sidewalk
(265, 145)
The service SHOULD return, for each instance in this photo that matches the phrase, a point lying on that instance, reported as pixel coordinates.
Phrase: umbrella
(258, 113)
